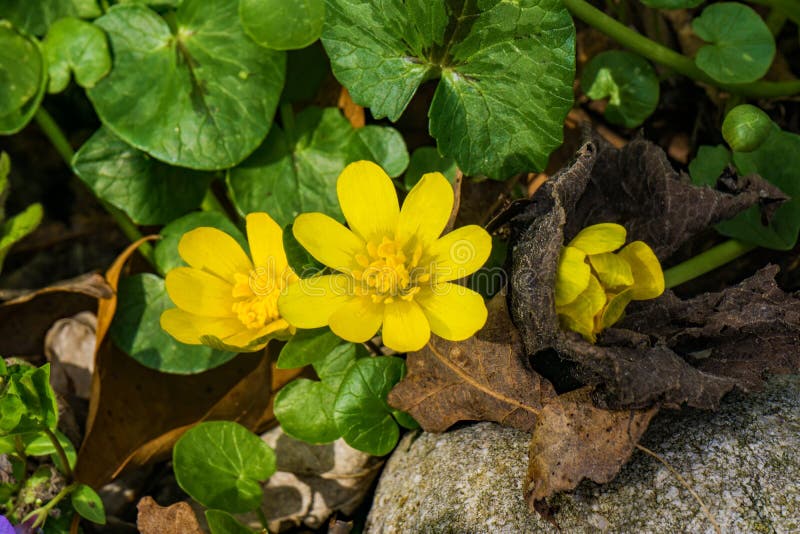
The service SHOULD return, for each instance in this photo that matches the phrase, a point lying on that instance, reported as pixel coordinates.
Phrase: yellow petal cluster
(392, 270)
(594, 283)
(224, 298)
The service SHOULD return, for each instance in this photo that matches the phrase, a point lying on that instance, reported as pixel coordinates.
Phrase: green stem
(263, 519)
(705, 262)
(43, 512)
(59, 141)
(668, 57)
(62, 454)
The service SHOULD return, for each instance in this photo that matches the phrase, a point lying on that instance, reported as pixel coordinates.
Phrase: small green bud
(745, 128)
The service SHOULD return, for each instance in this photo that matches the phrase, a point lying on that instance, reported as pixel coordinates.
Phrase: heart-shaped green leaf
(488, 54)
(23, 78)
(629, 83)
(74, 45)
(282, 25)
(137, 331)
(295, 171)
(741, 46)
(149, 191)
(202, 96)
(221, 465)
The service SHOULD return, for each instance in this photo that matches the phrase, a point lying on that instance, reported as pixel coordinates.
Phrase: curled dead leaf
(178, 518)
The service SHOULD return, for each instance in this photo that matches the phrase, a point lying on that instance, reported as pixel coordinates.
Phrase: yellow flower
(392, 268)
(224, 299)
(594, 284)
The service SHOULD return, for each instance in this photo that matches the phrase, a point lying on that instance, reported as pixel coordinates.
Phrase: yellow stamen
(258, 297)
(386, 272)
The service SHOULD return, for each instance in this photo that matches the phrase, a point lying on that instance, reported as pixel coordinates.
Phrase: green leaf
(362, 414)
(32, 387)
(39, 444)
(36, 16)
(17, 227)
(672, 4)
(282, 25)
(506, 72)
(296, 171)
(201, 98)
(629, 83)
(166, 250)
(75, 45)
(220, 522)
(385, 146)
(777, 160)
(88, 504)
(308, 346)
(741, 45)
(148, 191)
(334, 366)
(221, 465)
(301, 262)
(707, 167)
(11, 411)
(304, 408)
(427, 159)
(23, 78)
(137, 331)
(745, 128)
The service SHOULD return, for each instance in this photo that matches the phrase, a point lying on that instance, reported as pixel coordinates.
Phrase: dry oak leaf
(483, 378)
(178, 518)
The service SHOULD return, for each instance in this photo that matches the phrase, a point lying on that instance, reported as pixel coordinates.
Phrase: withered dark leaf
(483, 378)
(574, 440)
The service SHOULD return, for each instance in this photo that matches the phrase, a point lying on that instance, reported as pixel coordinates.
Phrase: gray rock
(742, 461)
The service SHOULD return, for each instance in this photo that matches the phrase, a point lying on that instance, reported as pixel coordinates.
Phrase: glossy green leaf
(427, 159)
(745, 128)
(166, 250)
(221, 464)
(137, 331)
(308, 346)
(741, 46)
(709, 164)
(149, 191)
(202, 98)
(777, 160)
(282, 25)
(300, 260)
(74, 45)
(488, 54)
(220, 522)
(36, 16)
(304, 408)
(362, 414)
(31, 385)
(23, 78)
(672, 4)
(334, 366)
(88, 504)
(629, 83)
(39, 444)
(17, 227)
(385, 146)
(295, 171)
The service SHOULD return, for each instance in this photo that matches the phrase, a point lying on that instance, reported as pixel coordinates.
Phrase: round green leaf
(427, 159)
(88, 504)
(745, 128)
(148, 191)
(35, 17)
(672, 4)
(506, 72)
(202, 98)
(362, 414)
(75, 45)
(23, 79)
(137, 331)
(741, 46)
(304, 408)
(221, 465)
(629, 83)
(220, 522)
(306, 347)
(166, 250)
(385, 146)
(282, 25)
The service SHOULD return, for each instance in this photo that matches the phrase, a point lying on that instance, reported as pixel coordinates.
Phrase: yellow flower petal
(579, 314)
(265, 238)
(426, 210)
(245, 340)
(199, 292)
(647, 274)
(405, 327)
(612, 270)
(453, 311)
(358, 320)
(188, 328)
(599, 238)
(572, 277)
(309, 303)
(214, 251)
(328, 241)
(615, 309)
(368, 200)
(458, 254)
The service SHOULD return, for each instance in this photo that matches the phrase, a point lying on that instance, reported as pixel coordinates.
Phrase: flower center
(258, 294)
(387, 272)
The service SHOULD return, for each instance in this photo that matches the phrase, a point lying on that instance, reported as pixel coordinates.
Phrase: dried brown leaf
(178, 518)
(484, 378)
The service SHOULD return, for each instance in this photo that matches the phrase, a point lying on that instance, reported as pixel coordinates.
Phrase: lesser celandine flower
(224, 298)
(391, 267)
(594, 284)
